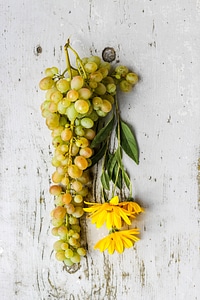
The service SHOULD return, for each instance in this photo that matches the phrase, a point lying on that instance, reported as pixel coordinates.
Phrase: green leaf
(111, 164)
(128, 142)
(105, 180)
(117, 176)
(100, 153)
(126, 179)
(103, 133)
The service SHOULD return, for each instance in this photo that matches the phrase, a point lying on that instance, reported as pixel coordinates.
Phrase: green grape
(56, 177)
(81, 251)
(78, 213)
(132, 78)
(61, 108)
(57, 222)
(81, 106)
(85, 178)
(74, 171)
(64, 246)
(58, 201)
(57, 131)
(67, 198)
(65, 181)
(82, 142)
(46, 83)
(76, 228)
(78, 199)
(63, 121)
(70, 209)
(108, 80)
(72, 241)
(100, 89)
(57, 141)
(71, 113)
(101, 113)
(52, 121)
(72, 95)
(84, 93)
(51, 71)
(110, 98)
(93, 115)
(90, 67)
(66, 102)
(125, 86)
(66, 134)
(95, 59)
(64, 148)
(87, 122)
(62, 232)
(93, 84)
(49, 92)
(104, 71)
(76, 258)
(111, 88)
(56, 96)
(77, 82)
(121, 70)
(68, 262)
(57, 245)
(55, 162)
(69, 253)
(84, 192)
(81, 162)
(106, 106)
(60, 255)
(74, 149)
(89, 134)
(105, 64)
(97, 102)
(53, 107)
(96, 76)
(45, 113)
(55, 190)
(54, 231)
(63, 85)
(86, 152)
(58, 212)
(77, 186)
(73, 220)
(61, 170)
(79, 130)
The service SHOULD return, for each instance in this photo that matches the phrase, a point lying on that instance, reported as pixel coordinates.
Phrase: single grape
(100, 89)
(106, 106)
(60, 255)
(56, 177)
(84, 192)
(62, 232)
(71, 112)
(57, 222)
(81, 251)
(79, 130)
(72, 95)
(58, 212)
(68, 262)
(95, 59)
(56, 96)
(86, 152)
(77, 82)
(81, 106)
(125, 86)
(90, 67)
(55, 190)
(63, 85)
(78, 199)
(96, 76)
(132, 78)
(77, 186)
(74, 149)
(70, 208)
(81, 162)
(74, 171)
(82, 142)
(54, 231)
(84, 93)
(121, 70)
(66, 134)
(46, 83)
(64, 246)
(69, 253)
(111, 88)
(67, 198)
(87, 122)
(52, 121)
(57, 245)
(78, 213)
(61, 108)
(89, 134)
(76, 258)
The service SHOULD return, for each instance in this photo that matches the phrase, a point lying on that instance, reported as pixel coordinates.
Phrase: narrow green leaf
(126, 179)
(111, 164)
(100, 153)
(128, 142)
(105, 180)
(103, 133)
(117, 176)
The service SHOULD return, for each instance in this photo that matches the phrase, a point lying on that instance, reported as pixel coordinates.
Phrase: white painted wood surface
(161, 41)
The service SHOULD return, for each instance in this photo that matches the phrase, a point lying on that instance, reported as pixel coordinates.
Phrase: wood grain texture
(160, 40)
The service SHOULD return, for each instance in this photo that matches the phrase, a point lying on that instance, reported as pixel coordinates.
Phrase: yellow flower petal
(118, 242)
(111, 247)
(109, 220)
(114, 200)
(102, 244)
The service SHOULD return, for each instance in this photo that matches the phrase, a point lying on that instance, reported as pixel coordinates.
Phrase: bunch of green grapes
(74, 102)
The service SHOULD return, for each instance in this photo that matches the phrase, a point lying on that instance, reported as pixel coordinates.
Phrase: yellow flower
(109, 212)
(132, 207)
(118, 240)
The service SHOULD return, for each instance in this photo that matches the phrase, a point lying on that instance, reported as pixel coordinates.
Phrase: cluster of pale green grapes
(72, 107)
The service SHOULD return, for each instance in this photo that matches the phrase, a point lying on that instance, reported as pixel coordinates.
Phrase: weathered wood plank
(161, 41)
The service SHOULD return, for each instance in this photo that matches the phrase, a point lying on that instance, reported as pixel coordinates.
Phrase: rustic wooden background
(158, 39)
